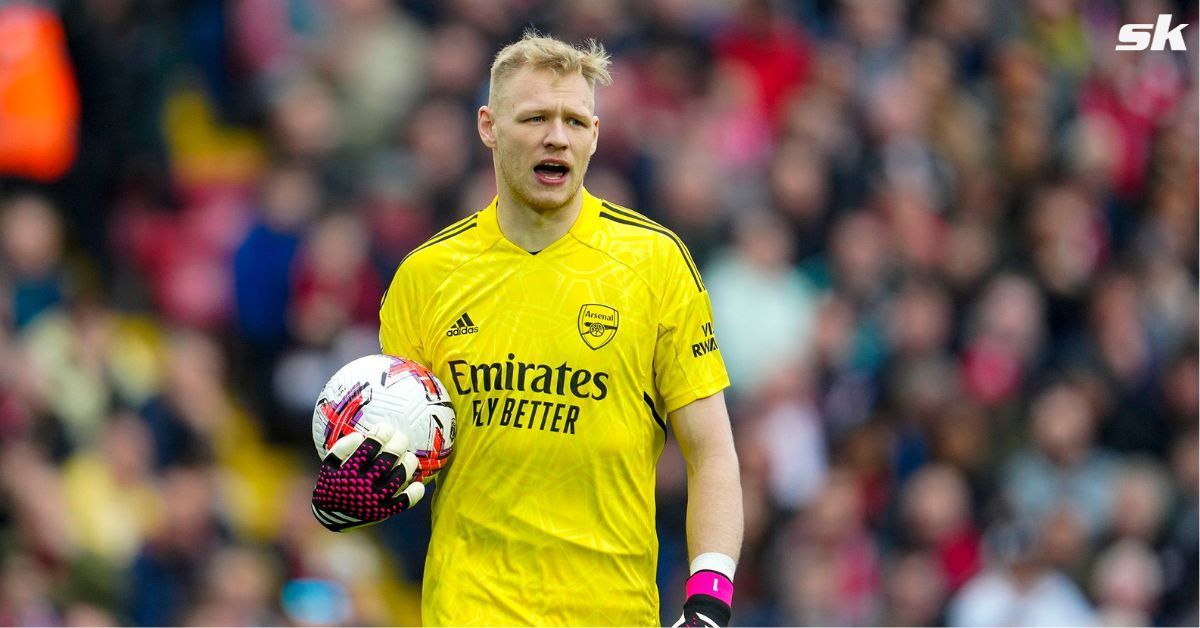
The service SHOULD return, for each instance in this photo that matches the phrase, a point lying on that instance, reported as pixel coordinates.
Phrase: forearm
(714, 508)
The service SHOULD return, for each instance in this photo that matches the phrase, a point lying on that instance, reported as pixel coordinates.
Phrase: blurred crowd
(951, 247)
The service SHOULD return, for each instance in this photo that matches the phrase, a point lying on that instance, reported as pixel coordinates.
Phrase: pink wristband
(711, 583)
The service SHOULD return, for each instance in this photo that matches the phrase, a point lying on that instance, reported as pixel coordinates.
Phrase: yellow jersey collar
(589, 213)
(583, 228)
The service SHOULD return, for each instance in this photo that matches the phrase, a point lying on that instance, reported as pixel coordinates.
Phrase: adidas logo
(463, 326)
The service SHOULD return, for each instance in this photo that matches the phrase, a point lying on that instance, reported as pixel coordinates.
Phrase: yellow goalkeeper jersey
(563, 366)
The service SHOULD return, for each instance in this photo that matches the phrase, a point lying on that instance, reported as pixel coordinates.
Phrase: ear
(486, 125)
(595, 134)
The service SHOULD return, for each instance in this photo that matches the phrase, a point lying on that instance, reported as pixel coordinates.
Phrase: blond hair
(547, 53)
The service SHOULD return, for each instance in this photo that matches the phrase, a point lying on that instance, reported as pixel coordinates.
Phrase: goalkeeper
(572, 334)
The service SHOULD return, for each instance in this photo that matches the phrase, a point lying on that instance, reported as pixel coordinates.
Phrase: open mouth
(551, 170)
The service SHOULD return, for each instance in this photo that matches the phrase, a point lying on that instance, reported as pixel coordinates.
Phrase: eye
(535, 118)
(576, 122)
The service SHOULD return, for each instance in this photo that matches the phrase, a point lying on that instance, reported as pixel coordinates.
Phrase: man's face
(542, 133)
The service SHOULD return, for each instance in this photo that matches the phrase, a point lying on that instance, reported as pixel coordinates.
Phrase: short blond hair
(547, 53)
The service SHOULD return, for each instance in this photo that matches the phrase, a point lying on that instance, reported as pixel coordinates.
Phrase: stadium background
(951, 246)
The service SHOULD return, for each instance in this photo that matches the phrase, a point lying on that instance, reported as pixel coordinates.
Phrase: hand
(366, 479)
(709, 600)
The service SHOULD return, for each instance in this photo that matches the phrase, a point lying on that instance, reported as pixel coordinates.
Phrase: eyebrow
(541, 110)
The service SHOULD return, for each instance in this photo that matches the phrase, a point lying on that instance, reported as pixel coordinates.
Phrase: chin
(550, 200)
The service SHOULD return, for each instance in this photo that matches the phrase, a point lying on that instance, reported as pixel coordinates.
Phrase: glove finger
(401, 474)
(377, 436)
(382, 432)
(344, 448)
(410, 496)
(397, 443)
(394, 446)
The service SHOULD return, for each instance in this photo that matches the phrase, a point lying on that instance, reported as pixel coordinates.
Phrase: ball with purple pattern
(375, 390)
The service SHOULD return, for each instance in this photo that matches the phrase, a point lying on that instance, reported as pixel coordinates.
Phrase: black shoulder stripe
(687, 260)
(455, 225)
(441, 238)
(654, 411)
(461, 226)
(629, 213)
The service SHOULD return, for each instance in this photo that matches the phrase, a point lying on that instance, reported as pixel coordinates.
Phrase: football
(378, 389)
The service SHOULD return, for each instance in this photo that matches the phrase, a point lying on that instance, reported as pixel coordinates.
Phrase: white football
(379, 389)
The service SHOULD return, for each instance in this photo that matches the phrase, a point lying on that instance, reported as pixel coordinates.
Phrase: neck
(535, 230)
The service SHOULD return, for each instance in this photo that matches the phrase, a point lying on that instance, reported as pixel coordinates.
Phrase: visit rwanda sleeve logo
(597, 324)
(708, 344)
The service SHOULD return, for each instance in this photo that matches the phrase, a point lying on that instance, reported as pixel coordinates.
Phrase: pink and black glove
(366, 479)
(709, 600)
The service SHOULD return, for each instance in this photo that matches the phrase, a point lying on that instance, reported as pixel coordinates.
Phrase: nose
(556, 135)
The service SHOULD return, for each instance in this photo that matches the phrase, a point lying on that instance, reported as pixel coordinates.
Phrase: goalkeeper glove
(709, 599)
(366, 479)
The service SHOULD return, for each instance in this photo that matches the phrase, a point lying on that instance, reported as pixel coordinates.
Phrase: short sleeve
(399, 316)
(687, 359)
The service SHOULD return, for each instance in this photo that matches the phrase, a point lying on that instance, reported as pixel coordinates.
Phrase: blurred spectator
(764, 308)
(800, 188)
(971, 251)
(193, 411)
(858, 257)
(962, 437)
(1123, 355)
(936, 510)
(458, 58)
(110, 493)
(32, 251)
(1068, 245)
(830, 570)
(1141, 496)
(238, 590)
(376, 58)
(439, 137)
(73, 349)
(1065, 542)
(760, 36)
(1018, 588)
(1127, 584)
(915, 591)
(263, 262)
(919, 323)
(732, 128)
(166, 575)
(1005, 338)
(303, 119)
(333, 283)
(876, 30)
(1063, 466)
(788, 433)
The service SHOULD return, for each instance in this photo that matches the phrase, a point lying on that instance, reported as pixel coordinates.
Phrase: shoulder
(645, 244)
(444, 251)
(632, 226)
